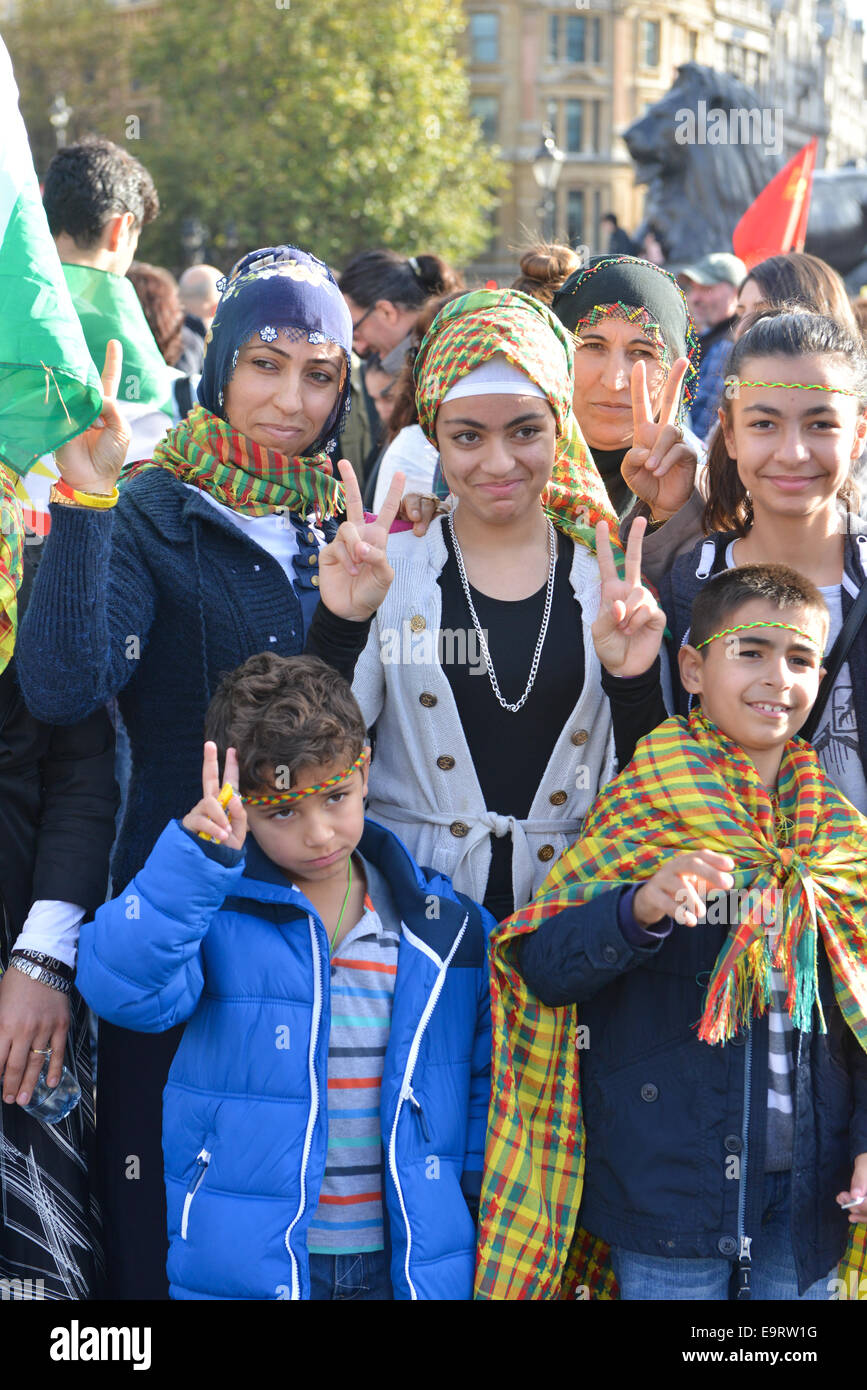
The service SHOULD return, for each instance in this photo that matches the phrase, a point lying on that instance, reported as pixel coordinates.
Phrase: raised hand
(229, 826)
(660, 467)
(92, 461)
(627, 633)
(354, 573)
(680, 886)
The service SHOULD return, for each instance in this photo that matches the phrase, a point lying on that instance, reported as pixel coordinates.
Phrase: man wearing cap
(711, 288)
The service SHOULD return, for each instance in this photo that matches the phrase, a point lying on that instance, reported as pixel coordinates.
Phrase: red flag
(776, 221)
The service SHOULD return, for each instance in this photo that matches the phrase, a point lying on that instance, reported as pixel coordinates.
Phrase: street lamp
(59, 114)
(547, 166)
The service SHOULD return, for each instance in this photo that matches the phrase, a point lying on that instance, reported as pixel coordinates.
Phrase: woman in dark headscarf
(636, 369)
(208, 555)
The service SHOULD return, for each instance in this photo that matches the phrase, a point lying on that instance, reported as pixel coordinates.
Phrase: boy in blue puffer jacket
(324, 1119)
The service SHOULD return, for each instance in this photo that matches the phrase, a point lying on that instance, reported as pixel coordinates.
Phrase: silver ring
(41, 1051)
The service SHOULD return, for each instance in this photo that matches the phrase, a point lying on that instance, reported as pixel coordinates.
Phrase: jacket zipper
(314, 1103)
(406, 1093)
(203, 1158)
(416, 1105)
(745, 1241)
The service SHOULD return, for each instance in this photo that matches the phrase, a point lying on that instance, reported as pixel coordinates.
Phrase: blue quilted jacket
(240, 953)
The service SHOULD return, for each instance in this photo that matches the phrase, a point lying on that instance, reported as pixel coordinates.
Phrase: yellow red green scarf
(205, 451)
(688, 787)
(11, 562)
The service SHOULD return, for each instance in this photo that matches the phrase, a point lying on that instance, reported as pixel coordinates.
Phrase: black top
(620, 494)
(511, 751)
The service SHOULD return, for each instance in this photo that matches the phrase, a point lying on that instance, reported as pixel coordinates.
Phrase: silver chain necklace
(549, 596)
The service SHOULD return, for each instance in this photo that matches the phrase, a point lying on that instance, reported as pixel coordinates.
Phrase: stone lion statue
(707, 149)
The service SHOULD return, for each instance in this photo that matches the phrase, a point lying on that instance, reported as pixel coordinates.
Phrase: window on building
(650, 43)
(693, 45)
(574, 126)
(485, 36)
(596, 143)
(597, 217)
(576, 38)
(575, 216)
(487, 112)
(596, 40)
(553, 118)
(554, 38)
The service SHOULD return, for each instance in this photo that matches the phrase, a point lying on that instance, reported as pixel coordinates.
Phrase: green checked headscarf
(472, 329)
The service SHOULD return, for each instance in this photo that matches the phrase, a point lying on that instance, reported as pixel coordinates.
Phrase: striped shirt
(781, 1066)
(348, 1219)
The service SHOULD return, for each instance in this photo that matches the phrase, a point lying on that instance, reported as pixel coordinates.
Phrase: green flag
(109, 307)
(49, 388)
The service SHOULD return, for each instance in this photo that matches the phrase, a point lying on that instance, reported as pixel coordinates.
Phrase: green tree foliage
(77, 48)
(335, 124)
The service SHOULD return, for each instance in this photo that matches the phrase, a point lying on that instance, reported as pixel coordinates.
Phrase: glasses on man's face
(358, 322)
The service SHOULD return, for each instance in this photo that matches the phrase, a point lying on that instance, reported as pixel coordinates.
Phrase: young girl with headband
(792, 425)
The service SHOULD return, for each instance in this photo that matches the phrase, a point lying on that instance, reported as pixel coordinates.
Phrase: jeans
(772, 1277)
(350, 1276)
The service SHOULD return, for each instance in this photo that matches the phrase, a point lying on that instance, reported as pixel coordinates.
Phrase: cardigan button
(314, 580)
(649, 1092)
(446, 762)
(458, 829)
(417, 623)
(558, 798)
(733, 1143)
(610, 955)
(546, 853)
(579, 737)
(313, 559)
(426, 699)
(310, 538)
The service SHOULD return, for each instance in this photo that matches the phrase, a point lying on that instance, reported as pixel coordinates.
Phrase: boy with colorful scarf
(720, 1038)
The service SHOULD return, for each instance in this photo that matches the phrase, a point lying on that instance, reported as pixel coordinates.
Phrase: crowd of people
(481, 674)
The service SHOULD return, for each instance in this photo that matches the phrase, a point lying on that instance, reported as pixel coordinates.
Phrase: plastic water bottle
(53, 1103)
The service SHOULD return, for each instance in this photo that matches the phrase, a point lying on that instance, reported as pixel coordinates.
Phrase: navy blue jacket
(676, 1128)
(154, 601)
(240, 953)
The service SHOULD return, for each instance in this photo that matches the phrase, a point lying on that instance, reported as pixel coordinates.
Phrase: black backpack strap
(836, 660)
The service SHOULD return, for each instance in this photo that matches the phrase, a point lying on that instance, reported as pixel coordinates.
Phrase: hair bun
(544, 268)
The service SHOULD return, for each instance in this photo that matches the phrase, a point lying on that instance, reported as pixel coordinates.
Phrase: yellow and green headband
(286, 798)
(741, 627)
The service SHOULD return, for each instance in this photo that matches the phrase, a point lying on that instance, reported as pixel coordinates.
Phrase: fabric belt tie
(485, 823)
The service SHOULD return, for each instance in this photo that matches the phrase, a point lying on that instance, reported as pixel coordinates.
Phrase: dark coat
(58, 800)
(676, 1128)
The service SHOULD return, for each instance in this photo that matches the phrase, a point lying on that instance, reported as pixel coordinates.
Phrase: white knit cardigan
(437, 808)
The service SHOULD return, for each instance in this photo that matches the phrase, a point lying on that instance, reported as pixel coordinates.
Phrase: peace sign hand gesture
(92, 461)
(660, 467)
(354, 573)
(627, 633)
(227, 825)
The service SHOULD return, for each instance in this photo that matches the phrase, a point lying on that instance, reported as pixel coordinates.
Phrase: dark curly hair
(90, 182)
(283, 712)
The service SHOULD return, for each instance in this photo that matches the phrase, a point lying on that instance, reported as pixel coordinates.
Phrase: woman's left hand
(660, 467)
(354, 573)
(33, 1018)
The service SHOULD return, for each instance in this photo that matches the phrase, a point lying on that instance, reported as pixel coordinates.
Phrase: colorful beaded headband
(741, 627)
(801, 386)
(631, 314)
(295, 794)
